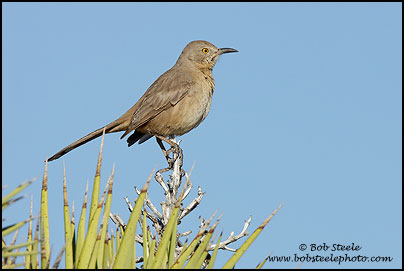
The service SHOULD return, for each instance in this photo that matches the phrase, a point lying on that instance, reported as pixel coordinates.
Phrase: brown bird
(177, 102)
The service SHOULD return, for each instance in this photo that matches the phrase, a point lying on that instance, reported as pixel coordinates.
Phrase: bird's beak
(226, 50)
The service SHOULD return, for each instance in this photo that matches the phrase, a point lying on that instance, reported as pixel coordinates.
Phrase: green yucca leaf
(12, 201)
(133, 258)
(204, 254)
(260, 265)
(103, 230)
(8, 260)
(12, 266)
(179, 263)
(213, 258)
(237, 255)
(94, 197)
(173, 244)
(9, 229)
(89, 242)
(12, 247)
(145, 234)
(111, 251)
(193, 261)
(73, 231)
(202, 258)
(122, 230)
(151, 255)
(165, 257)
(81, 228)
(118, 238)
(68, 228)
(29, 238)
(125, 252)
(106, 253)
(34, 260)
(97, 178)
(93, 259)
(21, 253)
(6, 199)
(45, 219)
(187, 251)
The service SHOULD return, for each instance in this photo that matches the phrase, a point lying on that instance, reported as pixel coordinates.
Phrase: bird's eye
(205, 50)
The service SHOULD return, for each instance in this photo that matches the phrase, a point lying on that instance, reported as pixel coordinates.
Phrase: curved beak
(226, 50)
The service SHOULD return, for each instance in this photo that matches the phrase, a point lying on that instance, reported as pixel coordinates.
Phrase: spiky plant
(99, 248)
(12, 257)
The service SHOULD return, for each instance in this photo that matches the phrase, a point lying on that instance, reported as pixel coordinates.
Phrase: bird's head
(203, 54)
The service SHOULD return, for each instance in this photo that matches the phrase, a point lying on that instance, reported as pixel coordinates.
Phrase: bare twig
(160, 181)
(113, 219)
(189, 186)
(184, 234)
(117, 220)
(232, 238)
(150, 205)
(228, 248)
(59, 257)
(193, 204)
(129, 204)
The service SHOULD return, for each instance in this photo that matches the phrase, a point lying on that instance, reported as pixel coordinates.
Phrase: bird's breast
(187, 114)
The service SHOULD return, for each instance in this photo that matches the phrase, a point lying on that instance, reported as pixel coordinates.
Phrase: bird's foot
(174, 148)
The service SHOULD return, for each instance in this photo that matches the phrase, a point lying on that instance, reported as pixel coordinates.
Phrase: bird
(177, 102)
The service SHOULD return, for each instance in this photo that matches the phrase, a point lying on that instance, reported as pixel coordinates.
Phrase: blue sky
(308, 113)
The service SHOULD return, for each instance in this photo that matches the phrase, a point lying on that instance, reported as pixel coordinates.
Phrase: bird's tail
(116, 126)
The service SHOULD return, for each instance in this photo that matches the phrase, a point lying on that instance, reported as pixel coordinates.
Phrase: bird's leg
(166, 154)
(173, 145)
(176, 147)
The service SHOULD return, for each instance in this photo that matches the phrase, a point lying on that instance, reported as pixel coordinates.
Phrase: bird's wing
(164, 93)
